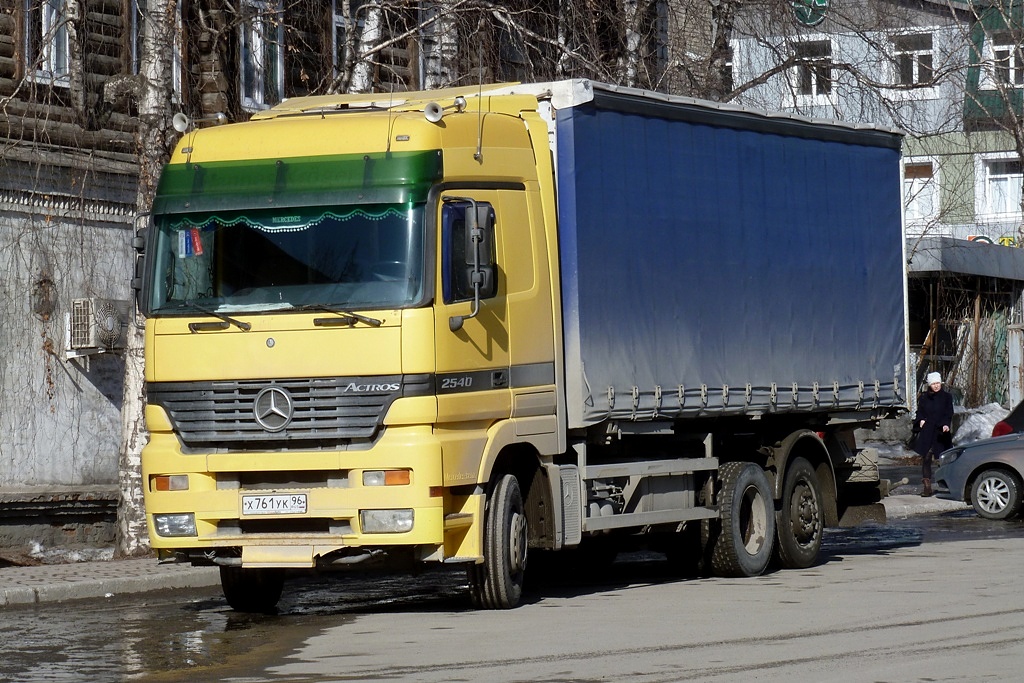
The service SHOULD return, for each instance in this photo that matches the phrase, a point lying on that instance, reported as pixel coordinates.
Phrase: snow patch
(46, 555)
(978, 423)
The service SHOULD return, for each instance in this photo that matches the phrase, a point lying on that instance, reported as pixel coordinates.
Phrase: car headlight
(950, 456)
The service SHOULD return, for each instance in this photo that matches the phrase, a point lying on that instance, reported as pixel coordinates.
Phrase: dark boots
(926, 488)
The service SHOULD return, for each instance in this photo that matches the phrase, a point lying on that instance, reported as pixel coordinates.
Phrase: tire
(252, 590)
(497, 583)
(798, 524)
(744, 534)
(996, 494)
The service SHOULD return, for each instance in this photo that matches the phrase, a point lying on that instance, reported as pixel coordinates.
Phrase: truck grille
(320, 412)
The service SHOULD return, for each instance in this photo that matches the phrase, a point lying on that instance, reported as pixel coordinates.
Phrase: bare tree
(154, 88)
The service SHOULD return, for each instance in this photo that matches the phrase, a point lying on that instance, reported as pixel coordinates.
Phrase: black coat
(936, 409)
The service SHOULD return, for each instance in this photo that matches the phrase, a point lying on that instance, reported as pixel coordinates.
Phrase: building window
(913, 57)
(341, 29)
(261, 56)
(1002, 186)
(137, 26)
(813, 76)
(920, 191)
(728, 80)
(1007, 62)
(46, 41)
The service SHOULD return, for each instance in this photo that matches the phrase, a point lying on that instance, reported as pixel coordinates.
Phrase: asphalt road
(929, 598)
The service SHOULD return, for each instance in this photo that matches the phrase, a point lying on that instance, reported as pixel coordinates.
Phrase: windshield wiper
(347, 317)
(195, 327)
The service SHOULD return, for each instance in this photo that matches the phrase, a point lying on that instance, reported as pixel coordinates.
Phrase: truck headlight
(950, 456)
(183, 524)
(385, 521)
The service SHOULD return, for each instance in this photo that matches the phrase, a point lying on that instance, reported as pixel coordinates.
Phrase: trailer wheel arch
(806, 444)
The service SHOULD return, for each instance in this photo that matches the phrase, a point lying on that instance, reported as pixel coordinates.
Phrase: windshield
(355, 257)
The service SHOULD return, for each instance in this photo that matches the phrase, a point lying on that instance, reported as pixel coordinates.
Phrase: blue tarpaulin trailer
(717, 261)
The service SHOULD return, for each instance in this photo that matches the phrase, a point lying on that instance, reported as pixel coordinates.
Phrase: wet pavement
(174, 635)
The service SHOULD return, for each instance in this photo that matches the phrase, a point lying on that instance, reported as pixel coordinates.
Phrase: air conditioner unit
(98, 325)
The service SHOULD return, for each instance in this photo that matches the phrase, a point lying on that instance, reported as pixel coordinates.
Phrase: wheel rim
(517, 543)
(753, 521)
(993, 495)
(804, 515)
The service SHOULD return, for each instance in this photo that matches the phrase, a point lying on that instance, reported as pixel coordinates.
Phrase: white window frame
(50, 61)
(265, 72)
(137, 27)
(816, 96)
(991, 69)
(177, 62)
(915, 192)
(984, 199)
(917, 84)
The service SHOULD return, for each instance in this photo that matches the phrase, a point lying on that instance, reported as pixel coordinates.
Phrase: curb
(57, 583)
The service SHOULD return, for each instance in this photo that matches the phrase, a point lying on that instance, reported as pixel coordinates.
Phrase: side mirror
(141, 224)
(479, 246)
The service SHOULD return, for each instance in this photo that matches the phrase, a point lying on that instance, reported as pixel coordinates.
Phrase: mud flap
(855, 515)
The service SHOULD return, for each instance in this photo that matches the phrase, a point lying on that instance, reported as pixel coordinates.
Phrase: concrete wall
(65, 232)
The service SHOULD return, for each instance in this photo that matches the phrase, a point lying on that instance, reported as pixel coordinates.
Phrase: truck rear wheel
(799, 523)
(744, 534)
(252, 590)
(498, 582)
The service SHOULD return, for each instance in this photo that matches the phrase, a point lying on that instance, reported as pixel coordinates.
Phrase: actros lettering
(352, 386)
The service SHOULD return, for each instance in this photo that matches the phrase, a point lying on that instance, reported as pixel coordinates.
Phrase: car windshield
(357, 257)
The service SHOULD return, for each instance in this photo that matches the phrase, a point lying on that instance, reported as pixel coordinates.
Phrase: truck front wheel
(799, 522)
(498, 582)
(743, 535)
(252, 590)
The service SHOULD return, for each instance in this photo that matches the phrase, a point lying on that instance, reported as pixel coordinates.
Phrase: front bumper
(331, 484)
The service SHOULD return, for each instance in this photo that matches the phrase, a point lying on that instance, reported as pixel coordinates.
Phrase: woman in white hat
(934, 415)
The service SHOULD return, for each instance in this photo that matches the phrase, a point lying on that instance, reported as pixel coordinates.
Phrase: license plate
(275, 504)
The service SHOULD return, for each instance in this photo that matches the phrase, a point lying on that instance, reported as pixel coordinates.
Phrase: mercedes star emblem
(273, 409)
